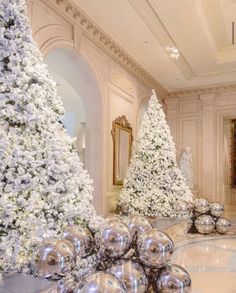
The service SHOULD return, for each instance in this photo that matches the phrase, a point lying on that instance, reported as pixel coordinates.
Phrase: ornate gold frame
(120, 124)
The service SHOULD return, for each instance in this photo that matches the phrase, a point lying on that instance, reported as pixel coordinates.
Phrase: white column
(208, 189)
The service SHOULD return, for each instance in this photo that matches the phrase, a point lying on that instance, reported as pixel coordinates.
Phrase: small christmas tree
(43, 187)
(154, 183)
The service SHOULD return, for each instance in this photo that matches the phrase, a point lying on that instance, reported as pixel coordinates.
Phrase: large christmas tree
(153, 183)
(43, 187)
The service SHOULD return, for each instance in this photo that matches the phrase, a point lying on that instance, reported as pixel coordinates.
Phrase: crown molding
(203, 90)
(98, 36)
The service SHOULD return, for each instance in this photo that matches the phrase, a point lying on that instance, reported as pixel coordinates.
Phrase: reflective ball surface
(81, 238)
(204, 224)
(131, 275)
(112, 218)
(113, 239)
(173, 279)
(201, 205)
(217, 209)
(223, 225)
(102, 282)
(138, 224)
(183, 208)
(155, 248)
(53, 259)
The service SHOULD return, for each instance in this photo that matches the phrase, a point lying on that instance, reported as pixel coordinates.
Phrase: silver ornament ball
(53, 259)
(183, 208)
(204, 224)
(81, 238)
(138, 224)
(217, 209)
(113, 239)
(102, 282)
(201, 205)
(173, 279)
(131, 275)
(155, 248)
(112, 218)
(223, 225)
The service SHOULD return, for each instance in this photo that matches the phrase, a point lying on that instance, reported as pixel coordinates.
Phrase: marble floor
(211, 263)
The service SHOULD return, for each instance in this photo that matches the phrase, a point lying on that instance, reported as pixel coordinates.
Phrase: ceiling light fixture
(173, 52)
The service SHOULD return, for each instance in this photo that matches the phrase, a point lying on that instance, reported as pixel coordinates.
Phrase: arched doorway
(80, 93)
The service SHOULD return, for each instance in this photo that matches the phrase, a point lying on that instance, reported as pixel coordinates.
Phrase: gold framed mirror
(122, 143)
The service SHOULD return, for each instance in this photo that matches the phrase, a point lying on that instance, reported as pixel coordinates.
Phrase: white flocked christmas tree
(153, 184)
(43, 187)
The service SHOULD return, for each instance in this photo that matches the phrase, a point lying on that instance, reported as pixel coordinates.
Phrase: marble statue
(186, 166)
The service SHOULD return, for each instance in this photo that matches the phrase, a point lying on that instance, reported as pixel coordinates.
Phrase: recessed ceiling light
(173, 52)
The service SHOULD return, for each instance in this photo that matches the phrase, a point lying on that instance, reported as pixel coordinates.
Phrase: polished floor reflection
(211, 263)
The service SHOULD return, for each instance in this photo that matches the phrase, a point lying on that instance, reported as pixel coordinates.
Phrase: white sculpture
(186, 166)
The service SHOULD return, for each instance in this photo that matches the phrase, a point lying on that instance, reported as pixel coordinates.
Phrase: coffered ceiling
(181, 43)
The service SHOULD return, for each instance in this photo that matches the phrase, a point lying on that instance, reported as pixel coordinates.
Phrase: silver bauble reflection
(223, 225)
(113, 239)
(81, 238)
(138, 224)
(131, 275)
(217, 209)
(204, 224)
(183, 208)
(201, 205)
(173, 279)
(112, 218)
(102, 282)
(53, 259)
(155, 248)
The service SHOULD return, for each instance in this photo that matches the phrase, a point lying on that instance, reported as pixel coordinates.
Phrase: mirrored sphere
(131, 275)
(173, 279)
(112, 218)
(102, 282)
(53, 259)
(138, 224)
(155, 248)
(201, 205)
(217, 209)
(183, 208)
(113, 239)
(204, 224)
(81, 238)
(223, 225)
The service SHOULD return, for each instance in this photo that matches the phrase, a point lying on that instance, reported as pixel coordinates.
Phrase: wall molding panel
(197, 117)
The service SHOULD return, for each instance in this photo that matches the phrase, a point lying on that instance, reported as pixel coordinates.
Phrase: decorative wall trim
(104, 41)
(203, 90)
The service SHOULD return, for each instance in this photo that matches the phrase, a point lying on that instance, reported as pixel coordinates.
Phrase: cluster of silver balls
(207, 217)
(123, 256)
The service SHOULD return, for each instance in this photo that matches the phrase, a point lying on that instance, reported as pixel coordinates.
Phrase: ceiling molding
(203, 90)
(106, 43)
(155, 20)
